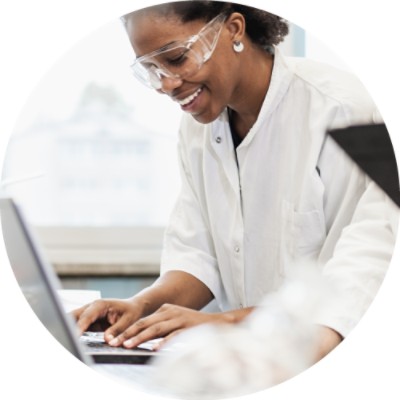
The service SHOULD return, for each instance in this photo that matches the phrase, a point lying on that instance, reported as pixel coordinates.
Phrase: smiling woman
(264, 192)
(346, 374)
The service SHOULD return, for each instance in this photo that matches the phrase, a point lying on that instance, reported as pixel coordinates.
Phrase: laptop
(39, 285)
(370, 147)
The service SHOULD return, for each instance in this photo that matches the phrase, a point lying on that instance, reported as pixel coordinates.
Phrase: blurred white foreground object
(276, 342)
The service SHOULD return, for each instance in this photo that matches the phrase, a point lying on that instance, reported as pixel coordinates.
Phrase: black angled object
(372, 150)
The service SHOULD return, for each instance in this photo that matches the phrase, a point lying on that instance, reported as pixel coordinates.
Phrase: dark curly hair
(263, 28)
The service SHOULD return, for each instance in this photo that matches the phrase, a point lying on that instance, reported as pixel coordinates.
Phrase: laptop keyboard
(101, 347)
(96, 343)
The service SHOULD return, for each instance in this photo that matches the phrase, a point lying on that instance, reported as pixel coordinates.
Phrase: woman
(262, 186)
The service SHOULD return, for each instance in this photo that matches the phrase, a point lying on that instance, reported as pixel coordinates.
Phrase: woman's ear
(236, 25)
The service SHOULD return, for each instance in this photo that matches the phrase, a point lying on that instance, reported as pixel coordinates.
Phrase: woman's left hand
(166, 322)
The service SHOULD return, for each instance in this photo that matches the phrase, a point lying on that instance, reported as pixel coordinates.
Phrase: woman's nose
(169, 84)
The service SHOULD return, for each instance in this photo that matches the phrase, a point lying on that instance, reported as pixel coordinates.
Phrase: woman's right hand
(115, 316)
(109, 315)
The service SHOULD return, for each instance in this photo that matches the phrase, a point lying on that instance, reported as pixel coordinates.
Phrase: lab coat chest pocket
(303, 232)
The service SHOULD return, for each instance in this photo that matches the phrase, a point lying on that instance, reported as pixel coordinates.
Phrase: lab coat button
(218, 139)
(237, 249)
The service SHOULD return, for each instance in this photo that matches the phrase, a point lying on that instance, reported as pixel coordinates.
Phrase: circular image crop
(200, 199)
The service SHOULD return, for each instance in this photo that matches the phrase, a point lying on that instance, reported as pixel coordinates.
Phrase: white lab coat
(240, 225)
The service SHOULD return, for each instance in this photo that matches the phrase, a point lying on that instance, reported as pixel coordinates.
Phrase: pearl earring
(238, 46)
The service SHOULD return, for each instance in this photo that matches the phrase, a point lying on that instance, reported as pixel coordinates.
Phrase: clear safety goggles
(180, 59)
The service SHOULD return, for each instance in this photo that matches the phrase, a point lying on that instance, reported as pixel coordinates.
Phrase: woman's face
(208, 91)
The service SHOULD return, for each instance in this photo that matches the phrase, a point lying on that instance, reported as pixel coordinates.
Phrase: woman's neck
(251, 91)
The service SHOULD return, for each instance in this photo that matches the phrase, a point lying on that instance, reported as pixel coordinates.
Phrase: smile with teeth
(190, 98)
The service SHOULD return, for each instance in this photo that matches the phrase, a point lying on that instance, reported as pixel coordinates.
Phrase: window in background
(105, 145)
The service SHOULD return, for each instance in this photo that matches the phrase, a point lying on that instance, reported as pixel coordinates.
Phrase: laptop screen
(35, 277)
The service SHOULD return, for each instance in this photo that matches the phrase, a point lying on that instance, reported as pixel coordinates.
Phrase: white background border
(34, 34)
